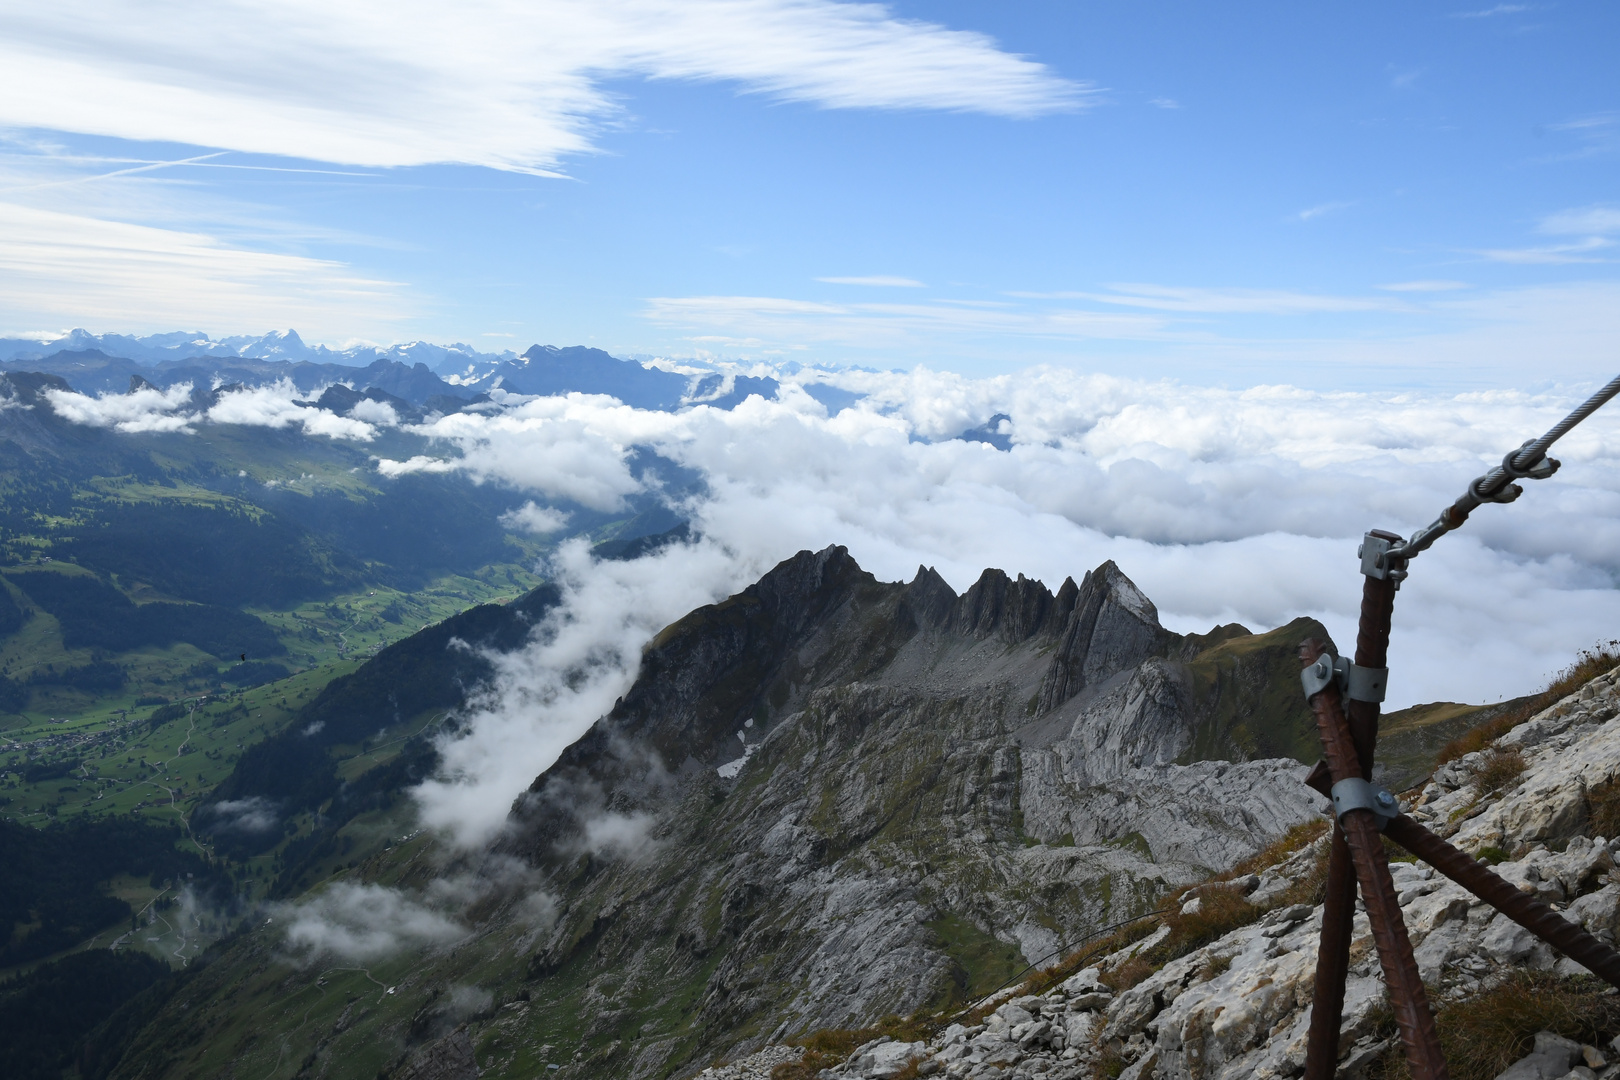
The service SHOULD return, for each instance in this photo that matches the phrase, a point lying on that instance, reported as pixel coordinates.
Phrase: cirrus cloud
(489, 82)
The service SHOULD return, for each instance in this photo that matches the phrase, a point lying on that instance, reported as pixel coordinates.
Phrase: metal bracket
(1357, 794)
(1354, 682)
(1362, 683)
(1318, 676)
(1382, 557)
(1372, 552)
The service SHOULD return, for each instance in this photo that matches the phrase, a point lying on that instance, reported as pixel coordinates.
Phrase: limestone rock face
(859, 798)
(1239, 1007)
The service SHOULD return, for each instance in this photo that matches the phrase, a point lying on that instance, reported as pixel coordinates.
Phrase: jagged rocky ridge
(1240, 1006)
(825, 799)
(853, 796)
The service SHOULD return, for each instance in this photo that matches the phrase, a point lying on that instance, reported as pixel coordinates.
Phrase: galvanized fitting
(1357, 794)
(1354, 682)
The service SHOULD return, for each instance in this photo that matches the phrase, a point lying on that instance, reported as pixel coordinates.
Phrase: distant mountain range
(276, 345)
(416, 372)
(543, 370)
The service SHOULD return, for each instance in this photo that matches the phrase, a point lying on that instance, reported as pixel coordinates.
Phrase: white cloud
(375, 412)
(559, 447)
(61, 265)
(147, 409)
(1424, 286)
(1583, 251)
(1492, 12)
(487, 83)
(1229, 301)
(1322, 209)
(533, 518)
(1596, 135)
(250, 815)
(877, 280)
(275, 406)
(581, 658)
(364, 922)
(626, 836)
(754, 320)
(1586, 221)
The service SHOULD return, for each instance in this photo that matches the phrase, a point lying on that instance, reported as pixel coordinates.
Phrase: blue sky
(1413, 195)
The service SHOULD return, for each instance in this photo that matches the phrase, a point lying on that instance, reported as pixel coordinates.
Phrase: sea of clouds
(1224, 505)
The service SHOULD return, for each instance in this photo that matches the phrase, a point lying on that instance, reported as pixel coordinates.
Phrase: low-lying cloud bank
(1223, 505)
(178, 408)
(361, 922)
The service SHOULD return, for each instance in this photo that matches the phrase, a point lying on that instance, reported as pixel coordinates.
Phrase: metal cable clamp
(1357, 794)
(1354, 681)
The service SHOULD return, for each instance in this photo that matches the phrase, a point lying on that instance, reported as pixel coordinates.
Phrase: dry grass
(1484, 1035)
(1042, 981)
(1220, 911)
(1280, 850)
(1591, 663)
(1501, 769)
(1603, 808)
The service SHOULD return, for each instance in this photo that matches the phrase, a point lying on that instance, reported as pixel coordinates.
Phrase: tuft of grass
(1110, 1064)
(1588, 665)
(1603, 808)
(1501, 769)
(1484, 1035)
(1220, 911)
(807, 1067)
(1042, 981)
(832, 1046)
(911, 1070)
(1490, 855)
(1296, 839)
(1131, 972)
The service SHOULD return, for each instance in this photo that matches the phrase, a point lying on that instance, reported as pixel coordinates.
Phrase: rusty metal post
(1339, 899)
(1412, 1014)
(1332, 963)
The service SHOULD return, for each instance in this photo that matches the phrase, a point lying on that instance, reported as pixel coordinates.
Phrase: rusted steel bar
(1372, 651)
(1548, 925)
(1332, 963)
(1568, 938)
(1410, 1003)
(1339, 902)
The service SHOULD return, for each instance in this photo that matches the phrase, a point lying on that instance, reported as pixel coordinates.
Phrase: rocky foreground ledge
(1537, 803)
